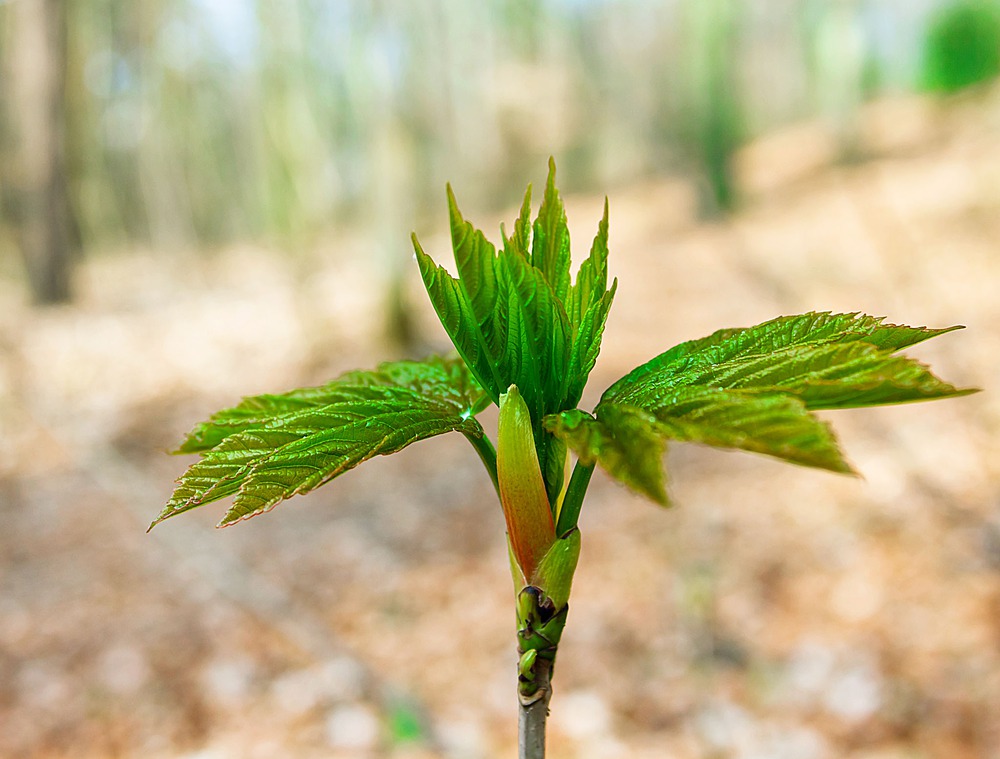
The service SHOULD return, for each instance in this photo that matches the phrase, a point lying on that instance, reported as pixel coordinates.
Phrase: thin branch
(531, 718)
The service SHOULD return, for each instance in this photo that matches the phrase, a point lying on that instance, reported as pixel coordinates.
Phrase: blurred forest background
(172, 124)
(203, 199)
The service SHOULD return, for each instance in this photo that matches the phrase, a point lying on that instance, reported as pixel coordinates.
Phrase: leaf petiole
(488, 455)
(569, 514)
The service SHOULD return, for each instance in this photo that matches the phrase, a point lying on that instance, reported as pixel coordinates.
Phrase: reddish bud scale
(522, 491)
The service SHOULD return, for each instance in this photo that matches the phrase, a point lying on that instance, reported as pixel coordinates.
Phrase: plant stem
(569, 514)
(488, 455)
(531, 718)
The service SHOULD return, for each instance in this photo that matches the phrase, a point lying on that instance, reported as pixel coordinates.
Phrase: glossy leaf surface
(517, 319)
(753, 389)
(271, 447)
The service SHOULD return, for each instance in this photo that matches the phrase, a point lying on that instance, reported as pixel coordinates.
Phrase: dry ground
(775, 612)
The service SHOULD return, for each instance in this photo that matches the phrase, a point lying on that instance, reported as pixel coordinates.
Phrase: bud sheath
(522, 490)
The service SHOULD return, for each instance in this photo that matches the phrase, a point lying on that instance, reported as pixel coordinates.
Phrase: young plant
(527, 336)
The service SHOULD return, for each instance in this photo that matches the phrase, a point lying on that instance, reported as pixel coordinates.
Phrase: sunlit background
(205, 199)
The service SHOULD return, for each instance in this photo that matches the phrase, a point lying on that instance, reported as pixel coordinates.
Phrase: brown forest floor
(775, 612)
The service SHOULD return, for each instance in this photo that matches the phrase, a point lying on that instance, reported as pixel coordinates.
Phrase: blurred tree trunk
(713, 99)
(38, 200)
(841, 58)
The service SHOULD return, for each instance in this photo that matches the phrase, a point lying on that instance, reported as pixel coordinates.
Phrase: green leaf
(502, 316)
(827, 360)
(847, 376)
(271, 447)
(684, 363)
(520, 242)
(516, 318)
(592, 279)
(773, 423)
(459, 321)
(626, 443)
(538, 337)
(550, 248)
(444, 377)
(513, 315)
(587, 344)
(753, 389)
(588, 307)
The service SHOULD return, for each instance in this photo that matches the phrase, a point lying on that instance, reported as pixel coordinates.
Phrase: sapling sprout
(526, 336)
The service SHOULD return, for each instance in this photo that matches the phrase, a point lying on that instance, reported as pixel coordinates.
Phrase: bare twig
(531, 717)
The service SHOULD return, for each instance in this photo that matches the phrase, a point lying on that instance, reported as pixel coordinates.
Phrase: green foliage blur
(962, 46)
